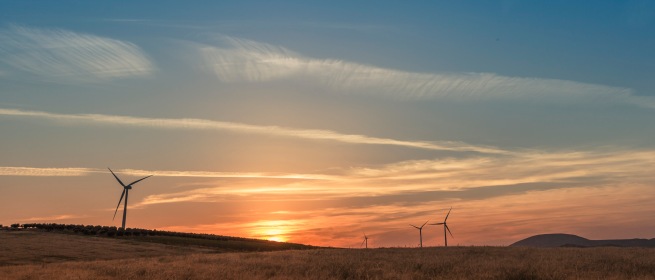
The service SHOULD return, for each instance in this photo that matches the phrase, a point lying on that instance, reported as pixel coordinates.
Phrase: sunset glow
(273, 230)
(320, 122)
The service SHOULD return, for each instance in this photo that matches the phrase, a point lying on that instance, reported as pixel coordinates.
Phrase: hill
(45, 243)
(570, 240)
(40, 247)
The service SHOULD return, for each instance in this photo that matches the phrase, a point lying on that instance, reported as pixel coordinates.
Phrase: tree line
(112, 231)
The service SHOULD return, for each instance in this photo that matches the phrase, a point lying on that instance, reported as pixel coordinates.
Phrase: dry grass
(428, 263)
(36, 247)
(42, 255)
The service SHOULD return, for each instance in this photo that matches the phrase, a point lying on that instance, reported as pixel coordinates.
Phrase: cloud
(414, 180)
(65, 55)
(429, 180)
(208, 174)
(602, 190)
(498, 220)
(40, 172)
(242, 60)
(202, 124)
(76, 171)
(54, 218)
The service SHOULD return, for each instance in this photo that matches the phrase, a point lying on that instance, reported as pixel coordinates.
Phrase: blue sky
(260, 118)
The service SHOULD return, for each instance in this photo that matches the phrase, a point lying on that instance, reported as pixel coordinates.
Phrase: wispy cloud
(208, 174)
(461, 177)
(241, 60)
(65, 55)
(203, 124)
(54, 218)
(427, 180)
(604, 190)
(45, 172)
(77, 171)
(498, 220)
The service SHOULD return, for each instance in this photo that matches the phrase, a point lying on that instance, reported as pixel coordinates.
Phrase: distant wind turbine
(126, 189)
(445, 227)
(420, 232)
(365, 242)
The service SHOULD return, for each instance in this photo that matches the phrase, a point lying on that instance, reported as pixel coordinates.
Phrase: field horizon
(39, 254)
(537, 240)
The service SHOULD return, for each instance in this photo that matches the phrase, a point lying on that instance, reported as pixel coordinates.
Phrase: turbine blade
(451, 234)
(119, 180)
(119, 204)
(413, 226)
(139, 180)
(425, 223)
(437, 224)
(451, 209)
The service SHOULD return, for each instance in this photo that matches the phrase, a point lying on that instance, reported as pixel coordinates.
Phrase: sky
(321, 122)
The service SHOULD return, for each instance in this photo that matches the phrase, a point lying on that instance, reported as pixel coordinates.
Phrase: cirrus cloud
(64, 55)
(240, 60)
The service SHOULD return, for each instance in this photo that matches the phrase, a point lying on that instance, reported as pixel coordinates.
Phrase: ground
(43, 255)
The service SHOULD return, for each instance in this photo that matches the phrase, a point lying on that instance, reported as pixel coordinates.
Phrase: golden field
(42, 255)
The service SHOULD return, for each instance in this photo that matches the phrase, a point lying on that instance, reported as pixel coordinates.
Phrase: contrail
(203, 124)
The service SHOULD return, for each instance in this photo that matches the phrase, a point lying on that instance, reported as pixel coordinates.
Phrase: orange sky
(319, 122)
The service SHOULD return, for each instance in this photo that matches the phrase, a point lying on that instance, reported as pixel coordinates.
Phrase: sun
(273, 230)
(274, 234)
(277, 239)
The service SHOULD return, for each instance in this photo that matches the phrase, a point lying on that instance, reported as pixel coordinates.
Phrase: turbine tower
(365, 242)
(445, 227)
(420, 232)
(126, 189)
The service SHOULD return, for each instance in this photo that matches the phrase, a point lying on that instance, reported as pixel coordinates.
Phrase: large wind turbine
(420, 232)
(365, 241)
(126, 189)
(445, 227)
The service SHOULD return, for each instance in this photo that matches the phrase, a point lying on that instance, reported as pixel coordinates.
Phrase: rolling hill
(46, 243)
(570, 240)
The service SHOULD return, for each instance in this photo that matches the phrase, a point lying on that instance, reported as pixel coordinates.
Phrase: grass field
(91, 258)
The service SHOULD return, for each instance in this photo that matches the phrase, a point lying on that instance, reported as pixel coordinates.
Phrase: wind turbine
(126, 189)
(420, 232)
(365, 241)
(445, 227)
